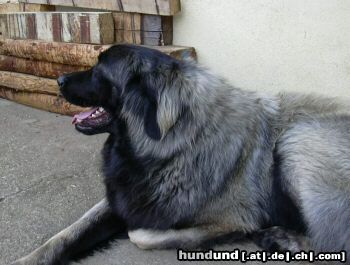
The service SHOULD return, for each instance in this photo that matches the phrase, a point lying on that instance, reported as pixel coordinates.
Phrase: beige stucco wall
(271, 45)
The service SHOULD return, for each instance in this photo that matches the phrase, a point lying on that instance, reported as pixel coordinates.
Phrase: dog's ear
(150, 111)
(161, 110)
(150, 121)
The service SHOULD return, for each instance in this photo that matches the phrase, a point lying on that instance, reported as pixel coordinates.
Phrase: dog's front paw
(148, 238)
(141, 238)
(26, 261)
(29, 261)
(278, 239)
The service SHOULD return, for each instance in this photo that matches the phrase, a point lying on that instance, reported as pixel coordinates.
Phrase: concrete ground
(49, 176)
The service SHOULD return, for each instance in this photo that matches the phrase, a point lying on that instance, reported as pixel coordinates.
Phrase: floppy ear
(150, 121)
(161, 111)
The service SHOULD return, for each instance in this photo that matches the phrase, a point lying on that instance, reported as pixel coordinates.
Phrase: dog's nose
(61, 81)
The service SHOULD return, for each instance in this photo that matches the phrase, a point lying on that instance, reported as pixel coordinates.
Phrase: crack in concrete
(48, 179)
(13, 194)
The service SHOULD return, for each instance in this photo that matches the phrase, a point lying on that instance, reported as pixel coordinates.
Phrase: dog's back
(315, 167)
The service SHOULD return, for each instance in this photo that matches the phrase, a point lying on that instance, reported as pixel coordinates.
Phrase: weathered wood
(87, 27)
(8, 1)
(23, 7)
(156, 7)
(28, 83)
(156, 23)
(143, 22)
(178, 52)
(72, 53)
(127, 21)
(156, 38)
(3, 27)
(40, 101)
(143, 29)
(58, 52)
(38, 68)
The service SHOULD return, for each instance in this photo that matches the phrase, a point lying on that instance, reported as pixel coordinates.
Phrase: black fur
(128, 192)
(102, 232)
(284, 212)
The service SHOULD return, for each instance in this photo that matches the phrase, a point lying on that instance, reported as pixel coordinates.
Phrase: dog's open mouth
(92, 119)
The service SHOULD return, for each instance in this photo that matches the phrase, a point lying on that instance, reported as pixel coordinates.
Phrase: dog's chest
(135, 195)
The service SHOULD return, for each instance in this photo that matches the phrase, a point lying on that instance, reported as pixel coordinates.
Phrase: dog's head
(137, 84)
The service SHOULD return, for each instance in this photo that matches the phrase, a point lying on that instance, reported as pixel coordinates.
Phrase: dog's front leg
(187, 238)
(94, 226)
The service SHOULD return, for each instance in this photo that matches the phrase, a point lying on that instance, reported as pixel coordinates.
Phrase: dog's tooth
(100, 109)
(93, 115)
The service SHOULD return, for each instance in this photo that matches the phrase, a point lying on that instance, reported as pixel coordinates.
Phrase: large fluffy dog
(191, 159)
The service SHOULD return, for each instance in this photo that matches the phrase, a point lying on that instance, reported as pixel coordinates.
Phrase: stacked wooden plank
(87, 27)
(147, 22)
(143, 29)
(91, 27)
(38, 44)
(155, 7)
(23, 7)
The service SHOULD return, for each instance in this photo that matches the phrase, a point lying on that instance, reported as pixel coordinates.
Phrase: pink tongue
(83, 115)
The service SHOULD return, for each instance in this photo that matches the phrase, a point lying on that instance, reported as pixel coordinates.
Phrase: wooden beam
(87, 27)
(72, 53)
(156, 7)
(156, 23)
(143, 22)
(143, 29)
(8, 1)
(150, 38)
(127, 21)
(178, 52)
(40, 101)
(23, 7)
(38, 68)
(3, 27)
(28, 83)
(57, 52)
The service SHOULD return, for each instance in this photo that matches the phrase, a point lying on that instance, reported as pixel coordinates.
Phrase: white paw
(144, 239)
(38, 257)
(24, 261)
